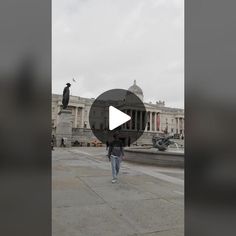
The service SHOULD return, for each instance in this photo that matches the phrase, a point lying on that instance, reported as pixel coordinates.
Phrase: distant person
(107, 145)
(115, 155)
(52, 143)
(129, 141)
(62, 142)
(54, 140)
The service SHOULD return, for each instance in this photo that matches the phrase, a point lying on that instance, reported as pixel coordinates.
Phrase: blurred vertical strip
(25, 117)
(210, 102)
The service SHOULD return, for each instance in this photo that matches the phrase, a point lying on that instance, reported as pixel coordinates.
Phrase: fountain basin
(151, 156)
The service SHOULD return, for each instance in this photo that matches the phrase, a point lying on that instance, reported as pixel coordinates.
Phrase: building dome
(136, 90)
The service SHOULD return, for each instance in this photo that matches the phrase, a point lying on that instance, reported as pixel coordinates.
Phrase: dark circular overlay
(124, 101)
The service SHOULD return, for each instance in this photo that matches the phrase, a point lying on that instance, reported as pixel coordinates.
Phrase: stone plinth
(64, 127)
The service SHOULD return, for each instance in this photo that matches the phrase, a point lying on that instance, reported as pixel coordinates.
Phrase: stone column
(176, 124)
(126, 112)
(136, 120)
(146, 120)
(141, 120)
(124, 125)
(131, 123)
(159, 121)
(76, 117)
(82, 117)
(179, 125)
(150, 120)
(155, 121)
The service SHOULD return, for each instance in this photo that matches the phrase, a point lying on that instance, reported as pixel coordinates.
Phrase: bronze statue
(66, 96)
(161, 143)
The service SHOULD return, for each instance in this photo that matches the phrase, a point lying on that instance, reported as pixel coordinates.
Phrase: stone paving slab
(97, 181)
(175, 175)
(160, 191)
(86, 203)
(78, 197)
(122, 191)
(90, 171)
(150, 215)
(171, 232)
(95, 220)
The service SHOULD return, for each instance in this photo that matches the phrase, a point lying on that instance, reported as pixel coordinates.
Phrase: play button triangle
(116, 118)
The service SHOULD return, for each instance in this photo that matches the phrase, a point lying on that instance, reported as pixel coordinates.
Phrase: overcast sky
(106, 44)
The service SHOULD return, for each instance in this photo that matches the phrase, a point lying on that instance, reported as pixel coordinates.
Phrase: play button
(117, 110)
(116, 118)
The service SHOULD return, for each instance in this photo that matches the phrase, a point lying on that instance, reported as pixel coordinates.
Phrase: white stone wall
(169, 117)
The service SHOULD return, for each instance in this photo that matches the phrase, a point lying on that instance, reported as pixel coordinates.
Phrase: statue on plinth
(66, 96)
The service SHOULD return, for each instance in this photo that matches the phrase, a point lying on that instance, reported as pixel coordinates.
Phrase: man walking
(115, 155)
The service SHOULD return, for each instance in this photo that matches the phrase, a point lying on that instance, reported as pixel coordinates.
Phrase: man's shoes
(113, 181)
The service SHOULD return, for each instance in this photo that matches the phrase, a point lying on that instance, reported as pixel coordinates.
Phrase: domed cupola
(136, 90)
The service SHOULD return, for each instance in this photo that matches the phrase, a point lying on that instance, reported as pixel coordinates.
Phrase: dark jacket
(116, 149)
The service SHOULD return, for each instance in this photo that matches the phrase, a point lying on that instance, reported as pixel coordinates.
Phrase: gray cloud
(107, 44)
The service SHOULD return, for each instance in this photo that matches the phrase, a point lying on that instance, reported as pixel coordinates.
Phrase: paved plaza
(146, 200)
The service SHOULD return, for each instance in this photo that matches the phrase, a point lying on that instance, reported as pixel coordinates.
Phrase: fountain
(164, 152)
(177, 146)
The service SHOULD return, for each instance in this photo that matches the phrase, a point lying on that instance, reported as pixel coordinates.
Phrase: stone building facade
(159, 117)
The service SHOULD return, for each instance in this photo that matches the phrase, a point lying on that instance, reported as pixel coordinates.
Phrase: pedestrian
(107, 145)
(115, 155)
(52, 143)
(129, 141)
(62, 142)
